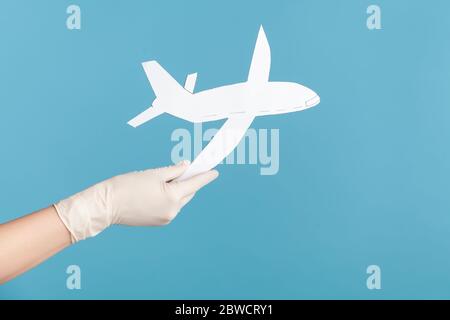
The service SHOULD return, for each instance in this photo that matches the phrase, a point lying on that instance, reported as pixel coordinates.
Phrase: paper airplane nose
(314, 101)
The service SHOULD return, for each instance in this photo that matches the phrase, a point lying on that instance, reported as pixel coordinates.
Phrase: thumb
(171, 172)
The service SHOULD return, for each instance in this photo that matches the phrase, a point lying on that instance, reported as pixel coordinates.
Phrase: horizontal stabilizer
(191, 79)
(145, 116)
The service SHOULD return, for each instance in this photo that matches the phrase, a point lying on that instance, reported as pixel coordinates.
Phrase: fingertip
(197, 182)
(215, 174)
(174, 171)
(184, 163)
(210, 176)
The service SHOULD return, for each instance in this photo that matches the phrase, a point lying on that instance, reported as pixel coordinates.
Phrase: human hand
(140, 198)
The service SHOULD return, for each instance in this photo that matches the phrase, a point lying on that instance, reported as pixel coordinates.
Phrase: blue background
(364, 177)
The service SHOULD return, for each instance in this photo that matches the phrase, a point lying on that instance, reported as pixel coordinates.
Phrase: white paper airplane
(239, 103)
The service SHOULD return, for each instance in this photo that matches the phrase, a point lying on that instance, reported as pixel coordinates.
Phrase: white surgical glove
(141, 198)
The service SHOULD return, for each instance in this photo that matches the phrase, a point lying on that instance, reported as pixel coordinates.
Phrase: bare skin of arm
(29, 240)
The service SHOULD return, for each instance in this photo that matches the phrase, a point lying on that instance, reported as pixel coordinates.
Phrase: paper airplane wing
(260, 66)
(223, 143)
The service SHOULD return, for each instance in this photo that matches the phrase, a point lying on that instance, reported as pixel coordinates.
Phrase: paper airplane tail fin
(166, 88)
(163, 84)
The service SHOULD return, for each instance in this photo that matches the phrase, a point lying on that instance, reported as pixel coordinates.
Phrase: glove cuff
(85, 214)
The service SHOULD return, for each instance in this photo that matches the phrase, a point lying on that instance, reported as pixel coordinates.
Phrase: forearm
(28, 241)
